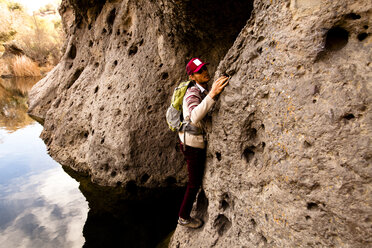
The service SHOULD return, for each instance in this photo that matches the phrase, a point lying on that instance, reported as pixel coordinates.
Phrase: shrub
(23, 66)
(39, 35)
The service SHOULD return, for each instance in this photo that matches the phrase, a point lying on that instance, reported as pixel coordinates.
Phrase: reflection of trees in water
(13, 102)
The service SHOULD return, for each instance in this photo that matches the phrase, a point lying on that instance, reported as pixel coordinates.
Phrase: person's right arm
(218, 86)
(199, 111)
(197, 108)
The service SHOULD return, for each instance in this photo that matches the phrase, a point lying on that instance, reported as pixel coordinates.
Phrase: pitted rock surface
(289, 151)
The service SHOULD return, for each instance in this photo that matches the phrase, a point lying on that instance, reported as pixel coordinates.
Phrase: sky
(33, 5)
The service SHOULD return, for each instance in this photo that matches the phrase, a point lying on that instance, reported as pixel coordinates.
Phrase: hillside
(29, 42)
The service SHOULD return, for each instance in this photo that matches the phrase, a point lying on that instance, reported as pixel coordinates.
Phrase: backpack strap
(191, 129)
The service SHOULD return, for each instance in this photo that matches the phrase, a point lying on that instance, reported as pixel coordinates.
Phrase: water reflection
(40, 205)
(13, 102)
(131, 217)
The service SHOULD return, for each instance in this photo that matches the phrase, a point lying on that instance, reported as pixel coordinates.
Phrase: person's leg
(195, 158)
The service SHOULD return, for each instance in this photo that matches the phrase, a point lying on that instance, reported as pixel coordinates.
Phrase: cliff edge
(289, 152)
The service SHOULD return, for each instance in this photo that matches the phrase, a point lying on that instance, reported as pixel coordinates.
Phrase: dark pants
(195, 159)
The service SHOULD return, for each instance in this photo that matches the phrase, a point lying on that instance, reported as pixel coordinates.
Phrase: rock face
(104, 104)
(289, 152)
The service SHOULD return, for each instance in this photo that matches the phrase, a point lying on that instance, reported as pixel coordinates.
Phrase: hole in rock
(362, 36)
(307, 144)
(132, 50)
(222, 224)
(111, 18)
(170, 181)
(74, 77)
(90, 43)
(113, 174)
(251, 133)
(248, 153)
(96, 90)
(312, 206)
(56, 103)
(104, 30)
(115, 63)
(224, 205)
(85, 134)
(253, 222)
(353, 16)
(336, 39)
(102, 140)
(164, 75)
(117, 112)
(316, 89)
(307, 217)
(144, 178)
(261, 38)
(140, 42)
(72, 52)
(365, 26)
(218, 156)
(348, 116)
(96, 64)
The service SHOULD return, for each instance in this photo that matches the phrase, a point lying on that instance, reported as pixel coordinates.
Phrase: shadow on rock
(128, 218)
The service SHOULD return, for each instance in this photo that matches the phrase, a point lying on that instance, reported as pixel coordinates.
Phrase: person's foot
(191, 223)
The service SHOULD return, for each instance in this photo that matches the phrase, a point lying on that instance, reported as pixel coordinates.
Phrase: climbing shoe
(191, 223)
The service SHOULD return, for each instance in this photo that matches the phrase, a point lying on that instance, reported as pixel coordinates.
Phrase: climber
(196, 104)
